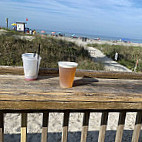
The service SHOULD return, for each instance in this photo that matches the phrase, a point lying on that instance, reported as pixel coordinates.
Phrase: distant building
(20, 26)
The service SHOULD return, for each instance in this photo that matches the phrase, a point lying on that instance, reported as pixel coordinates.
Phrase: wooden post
(103, 127)
(85, 126)
(136, 65)
(120, 127)
(45, 127)
(24, 127)
(65, 127)
(137, 128)
(7, 22)
(1, 127)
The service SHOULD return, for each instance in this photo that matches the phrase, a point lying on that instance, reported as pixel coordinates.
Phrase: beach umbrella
(73, 35)
(14, 24)
(43, 32)
(53, 32)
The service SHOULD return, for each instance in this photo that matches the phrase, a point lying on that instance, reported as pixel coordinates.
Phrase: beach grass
(52, 51)
(127, 55)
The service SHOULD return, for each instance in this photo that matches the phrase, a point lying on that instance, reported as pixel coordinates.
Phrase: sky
(116, 18)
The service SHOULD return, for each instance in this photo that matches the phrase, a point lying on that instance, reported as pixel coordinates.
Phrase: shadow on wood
(84, 81)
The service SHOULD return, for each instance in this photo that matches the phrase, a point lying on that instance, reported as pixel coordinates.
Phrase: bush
(52, 51)
(128, 55)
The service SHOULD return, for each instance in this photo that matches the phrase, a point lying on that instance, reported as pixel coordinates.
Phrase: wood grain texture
(44, 127)
(87, 93)
(85, 126)
(120, 127)
(1, 127)
(137, 128)
(24, 127)
(79, 73)
(103, 127)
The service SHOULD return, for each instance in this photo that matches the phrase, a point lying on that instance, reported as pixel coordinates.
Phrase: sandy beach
(12, 121)
(12, 130)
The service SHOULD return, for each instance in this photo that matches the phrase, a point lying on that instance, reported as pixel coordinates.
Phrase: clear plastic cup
(31, 66)
(66, 73)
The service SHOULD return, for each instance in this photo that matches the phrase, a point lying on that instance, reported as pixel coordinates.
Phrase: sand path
(98, 56)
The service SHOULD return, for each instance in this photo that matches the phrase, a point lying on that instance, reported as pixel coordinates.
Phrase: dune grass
(128, 55)
(52, 51)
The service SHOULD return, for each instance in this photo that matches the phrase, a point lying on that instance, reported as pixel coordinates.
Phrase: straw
(34, 53)
(38, 51)
(38, 58)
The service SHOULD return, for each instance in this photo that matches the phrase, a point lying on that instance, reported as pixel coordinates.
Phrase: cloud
(100, 15)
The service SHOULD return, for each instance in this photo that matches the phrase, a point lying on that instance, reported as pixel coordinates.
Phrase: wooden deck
(92, 91)
(87, 93)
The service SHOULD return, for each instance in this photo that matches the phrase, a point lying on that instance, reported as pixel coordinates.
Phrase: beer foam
(65, 64)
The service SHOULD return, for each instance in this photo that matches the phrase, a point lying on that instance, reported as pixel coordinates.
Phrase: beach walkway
(109, 64)
(98, 56)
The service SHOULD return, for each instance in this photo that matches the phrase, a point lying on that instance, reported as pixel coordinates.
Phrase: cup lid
(66, 64)
(30, 56)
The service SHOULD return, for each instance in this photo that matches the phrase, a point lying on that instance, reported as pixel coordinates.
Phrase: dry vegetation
(128, 55)
(52, 51)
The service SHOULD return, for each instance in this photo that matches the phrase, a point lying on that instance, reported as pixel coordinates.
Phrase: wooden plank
(1, 127)
(45, 93)
(79, 73)
(137, 128)
(108, 74)
(120, 127)
(45, 127)
(65, 126)
(85, 126)
(70, 97)
(103, 127)
(57, 105)
(24, 127)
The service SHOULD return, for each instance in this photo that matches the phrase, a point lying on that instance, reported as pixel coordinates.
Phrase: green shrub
(128, 55)
(52, 51)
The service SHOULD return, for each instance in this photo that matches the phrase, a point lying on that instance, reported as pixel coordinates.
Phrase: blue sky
(119, 18)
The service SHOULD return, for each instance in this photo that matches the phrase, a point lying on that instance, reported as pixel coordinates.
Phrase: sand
(12, 127)
(98, 56)
(3, 32)
(12, 121)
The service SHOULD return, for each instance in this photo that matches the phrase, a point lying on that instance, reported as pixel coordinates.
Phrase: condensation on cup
(31, 65)
(66, 73)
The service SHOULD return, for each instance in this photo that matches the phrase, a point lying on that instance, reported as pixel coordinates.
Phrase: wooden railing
(92, 92)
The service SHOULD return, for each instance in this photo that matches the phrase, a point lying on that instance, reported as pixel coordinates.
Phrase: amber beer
(67, 73)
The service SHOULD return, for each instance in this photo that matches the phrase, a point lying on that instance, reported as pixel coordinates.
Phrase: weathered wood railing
(107, 92)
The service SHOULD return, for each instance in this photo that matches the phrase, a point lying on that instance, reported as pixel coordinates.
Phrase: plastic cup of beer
(66, 73)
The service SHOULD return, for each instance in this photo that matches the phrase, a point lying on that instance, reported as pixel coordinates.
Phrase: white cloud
(104, 15)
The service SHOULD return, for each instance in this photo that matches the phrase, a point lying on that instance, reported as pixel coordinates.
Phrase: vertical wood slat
(137, 127)
(103, 126)
(45, 127)
(24, 127)
(65, 127)
(120, 127)
(1, 127)
(85, 126)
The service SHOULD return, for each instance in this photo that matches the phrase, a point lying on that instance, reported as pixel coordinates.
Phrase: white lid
(66, 64)
(30, 56)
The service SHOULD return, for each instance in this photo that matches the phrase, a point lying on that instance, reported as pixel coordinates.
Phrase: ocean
(91, 36)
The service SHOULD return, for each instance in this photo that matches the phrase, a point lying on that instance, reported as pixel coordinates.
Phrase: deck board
(87, 93)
